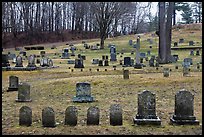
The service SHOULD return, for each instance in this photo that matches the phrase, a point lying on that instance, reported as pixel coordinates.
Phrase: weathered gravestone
(95, 61)
(42, 53)
(23, 93)
(191, 43)
(127, 62)
(116, 117)
(146, 109)
(151, 62)
(184, 109)
(25, 116)
(13, 83)
(46, 62)
(100, 63)
(19, 61)
(113, 53)
(166, 72)
(11, 56)
(106, 63)
(187, 62)
(72, 50)
(48, 117)
(186, 70)
(125, 74)
(197, 53)
(79, 63)
(138, 65)
(5, 62)
(192, 53)
(142, 55)
(31, 61)
(175, 44)
(93, 115)
(130, 42)
(176, 57)
(83, 92)
(148, 52)
(71, 116)
(181, 40)
(65, 54)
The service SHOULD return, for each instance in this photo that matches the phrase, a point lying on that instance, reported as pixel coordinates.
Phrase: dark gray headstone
(100, 63)
(130, 42)
(142, 55)
(113, 57)
(93, 116)
(184, 109)
(187, 62)
(65, 54)
(175, 44)
(191, 43)
(79, 63)
(5, 61)
(83, 92)
(106, 63)
(166, 72)
(151, 62)
(48, 117)
(71, 116)
(13, 83)
(181, 40)
(197, 53)
(23, 93)
(146, 109)
(116, 117)
(125, 74)
(25, 116)
(46, 62)
(127, 62)
(192, 52)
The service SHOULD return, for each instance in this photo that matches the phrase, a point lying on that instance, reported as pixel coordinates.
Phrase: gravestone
(146, 109)
(113, 53)
(132, 52)
(71, 62)
(191, 43)
(181, 40)
(83, 57)
(106, 57)
(46, 62)
(93, 115)
(157, 64)
(23, 93)
(48, 117)
(148, 52)
(192, 53)
(72, 50)
(19, 61)
(25, 116)
(166, 72)
(37, 61)
(138, 65)
(11, 56)
(127, 62)
(142, 55)
(125, 74)
(151, 62)
(197, 53)
(103, 57)
(100, 63)
(79, 63)
(95, 61)
(184, 109)
(106, 63)
(186, 71)
(83, 92)
(42, 53)
(71, 116)
(175, 57)
(13, 83)
(5, 62)
(130, 42)
(31, 61)
(187, 61)
(65, 54)
(175, 44)
(116, 117)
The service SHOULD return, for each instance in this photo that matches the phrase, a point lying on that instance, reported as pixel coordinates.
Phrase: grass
(56, 88)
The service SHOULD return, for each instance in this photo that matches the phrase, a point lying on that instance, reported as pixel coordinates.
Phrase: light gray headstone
(23, 93)
(166, 72)
(31, 61)
(19, 61)
(25, 116)
(116, 117)
(93, 115)
(71, 116)
(48, 117)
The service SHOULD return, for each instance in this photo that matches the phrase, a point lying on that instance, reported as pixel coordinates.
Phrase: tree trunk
(174, 14)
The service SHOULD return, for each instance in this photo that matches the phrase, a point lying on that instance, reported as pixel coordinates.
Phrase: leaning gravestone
(48, 117)
(79, 63)
(146, 109)
(13, 83)
(184, 109)
(83, 92)
(71, 116)
(23, 93)
(166, 72)
(125, 74)
(25, 116)
(93, 115)
(31, 61)
(19, 61)
(116, 117)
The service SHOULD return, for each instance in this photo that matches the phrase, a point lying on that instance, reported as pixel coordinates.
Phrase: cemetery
(119, 90)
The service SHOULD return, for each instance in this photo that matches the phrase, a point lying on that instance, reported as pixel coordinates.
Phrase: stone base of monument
(138, 66)
(12, 89)
(190, 120)
(144, 121)
(83, 99)
(19, 100)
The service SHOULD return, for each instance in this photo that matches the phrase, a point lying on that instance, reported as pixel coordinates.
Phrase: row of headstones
(190, 43)
(183, 113)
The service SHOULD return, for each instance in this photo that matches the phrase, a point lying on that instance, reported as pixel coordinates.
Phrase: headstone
(186, 71)
(138, 65)
(19, 61)
(181, 40)
(106, 57)
(65, 54)
(166, 72)
(113, 53)
(83, 57)
(23, 93)
(100, 63)
(48, 117)
(37, 61)
(142, 55)
(106, 63)
(116, 117)
(157, 64)
(83, 92)
(132, 52)
(95, 61)
(71, 62)
(197, 53)
(146, 109)
(175, 44)
(125, 74)
(13, 83)
(5, 62)
(42, 53)
(93, 115)
(175, 57)
(127, 62)
(79, 63)
(46, 62)
(130, 42)
(148, 52)
(72, 50)
(31, 61)
(184, 109)
(71, 116)
(191, 43)
(192, 53)
(25, 116)
(103, 57)
(11, 56)
(151, 62)
(187, 61)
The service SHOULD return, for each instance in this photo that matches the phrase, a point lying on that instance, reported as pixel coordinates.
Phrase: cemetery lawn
(56, 87)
